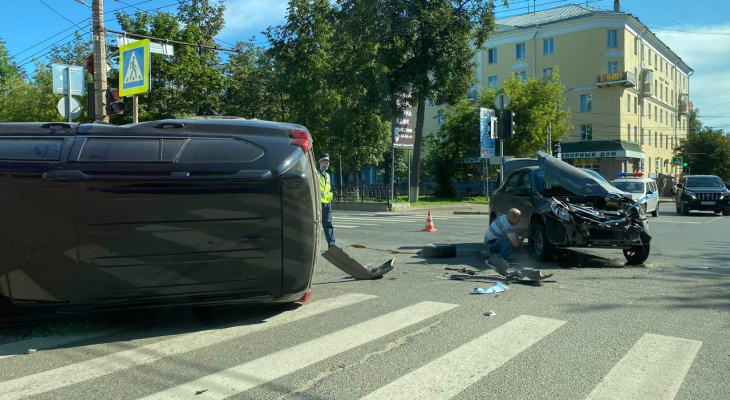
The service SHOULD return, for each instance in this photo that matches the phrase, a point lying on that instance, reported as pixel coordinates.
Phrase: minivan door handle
(76, 175)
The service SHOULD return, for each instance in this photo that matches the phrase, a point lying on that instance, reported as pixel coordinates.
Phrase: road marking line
(80, 372)
(265, 369)
(16, 348)
(450, 374)
(713, 220)
(654, 368)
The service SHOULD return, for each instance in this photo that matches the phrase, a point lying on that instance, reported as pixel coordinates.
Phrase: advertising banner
(403, 124)
(485, 127)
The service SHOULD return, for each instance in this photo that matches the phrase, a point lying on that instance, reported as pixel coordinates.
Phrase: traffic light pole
(501, 146)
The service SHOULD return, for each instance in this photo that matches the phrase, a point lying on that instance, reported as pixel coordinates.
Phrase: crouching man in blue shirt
(501, 237)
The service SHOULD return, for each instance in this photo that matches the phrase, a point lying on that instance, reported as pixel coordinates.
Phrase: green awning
(601, 149)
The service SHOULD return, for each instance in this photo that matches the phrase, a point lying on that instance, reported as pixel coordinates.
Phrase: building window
(612, 67)
(628, 102)
(546, 72)
(548, 46)
(661, 140)
(649, 57)
(655, 113)
(656, 138)
(636, 134)
(636, 45)
(492, 81)
(520, 50)
(649, 114)
(586, 102)
(661, 116)
(586, 132)
(440, 119)
(636, 105)
(628, 132)
(642, 136)
(523, 76)
(649, 136)
(492, 55)
(612, 38)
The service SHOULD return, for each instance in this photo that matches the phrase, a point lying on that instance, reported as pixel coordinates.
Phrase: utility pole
(99, 35)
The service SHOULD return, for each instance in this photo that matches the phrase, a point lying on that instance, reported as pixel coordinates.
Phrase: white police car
(640, 188)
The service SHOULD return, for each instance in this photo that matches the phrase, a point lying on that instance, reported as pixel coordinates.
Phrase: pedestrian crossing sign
(677, 161)
(134, 68)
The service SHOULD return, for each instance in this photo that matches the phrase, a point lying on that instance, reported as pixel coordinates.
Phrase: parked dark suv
(164, 213)
(702, 192)
(563, 206)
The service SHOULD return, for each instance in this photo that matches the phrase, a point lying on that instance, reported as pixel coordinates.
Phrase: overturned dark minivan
(179, 212)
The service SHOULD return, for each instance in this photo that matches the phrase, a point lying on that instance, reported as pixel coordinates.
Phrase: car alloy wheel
(542, 249)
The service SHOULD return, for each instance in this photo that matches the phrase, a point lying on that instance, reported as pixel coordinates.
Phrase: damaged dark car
(566, 207)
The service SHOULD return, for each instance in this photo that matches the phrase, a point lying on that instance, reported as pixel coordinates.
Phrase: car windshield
(631, 187)
(704, 181)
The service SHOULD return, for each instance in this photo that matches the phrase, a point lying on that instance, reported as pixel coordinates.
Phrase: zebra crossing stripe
(453, 372)
(654, 368)
(80, 372)
(265, 369)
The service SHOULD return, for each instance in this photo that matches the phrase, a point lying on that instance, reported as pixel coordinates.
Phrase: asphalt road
(596, 329)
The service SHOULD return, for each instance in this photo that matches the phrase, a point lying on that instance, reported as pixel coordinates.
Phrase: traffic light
(508, 128)
(114, 105)
(684, 164)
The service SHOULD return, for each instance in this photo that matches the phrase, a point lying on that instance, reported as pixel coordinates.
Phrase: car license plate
(707, 203)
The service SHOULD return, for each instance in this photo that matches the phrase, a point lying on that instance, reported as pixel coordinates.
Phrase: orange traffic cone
(429, 224)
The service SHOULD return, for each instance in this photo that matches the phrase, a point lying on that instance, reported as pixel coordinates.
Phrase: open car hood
(573, 179)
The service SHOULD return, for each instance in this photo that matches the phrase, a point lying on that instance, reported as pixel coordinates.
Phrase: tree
(191, 81)
(537, 107)
(249, 90)
(9, 70)
(456, 139)
(429, 45)
(707, 152)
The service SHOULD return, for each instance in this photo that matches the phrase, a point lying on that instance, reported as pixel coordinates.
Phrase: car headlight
(724, 194)
(561, 213)
(689, 193)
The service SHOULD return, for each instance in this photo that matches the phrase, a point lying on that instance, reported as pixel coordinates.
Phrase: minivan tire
(655, 213)
(439, 250)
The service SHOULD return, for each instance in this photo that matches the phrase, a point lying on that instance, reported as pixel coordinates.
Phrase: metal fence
(381, 193)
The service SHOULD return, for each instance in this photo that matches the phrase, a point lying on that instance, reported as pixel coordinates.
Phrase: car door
(161, 218)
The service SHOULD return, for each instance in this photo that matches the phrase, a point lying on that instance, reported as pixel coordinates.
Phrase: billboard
(403, 124)
(486, 143)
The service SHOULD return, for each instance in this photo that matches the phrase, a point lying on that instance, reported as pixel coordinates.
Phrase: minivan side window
(31, 149)
(130, 149)
(120, 150)
(219, 150)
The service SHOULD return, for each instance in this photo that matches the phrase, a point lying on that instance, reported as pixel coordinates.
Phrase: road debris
(521, 275)
(497, 288)
(490, 313)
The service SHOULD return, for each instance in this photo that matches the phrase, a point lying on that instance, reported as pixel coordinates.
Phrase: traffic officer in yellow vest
(325, 187)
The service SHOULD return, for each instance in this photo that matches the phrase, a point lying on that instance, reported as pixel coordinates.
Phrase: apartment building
(627, 90)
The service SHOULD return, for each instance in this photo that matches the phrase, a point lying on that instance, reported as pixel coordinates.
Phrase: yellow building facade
(627, 91)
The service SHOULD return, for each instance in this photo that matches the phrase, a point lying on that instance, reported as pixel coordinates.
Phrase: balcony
(647, 89)
(627, 79)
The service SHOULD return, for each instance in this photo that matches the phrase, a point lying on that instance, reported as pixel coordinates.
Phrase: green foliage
(457, 138)
(537, 105)
(707, 150)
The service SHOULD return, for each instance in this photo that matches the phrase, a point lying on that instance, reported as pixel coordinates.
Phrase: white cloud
(246, 18)
(705, 50)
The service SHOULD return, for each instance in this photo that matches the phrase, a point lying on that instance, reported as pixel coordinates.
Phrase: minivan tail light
(301, 139)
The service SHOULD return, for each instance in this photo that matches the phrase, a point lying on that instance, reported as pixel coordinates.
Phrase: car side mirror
(649, 192)
(679, 185)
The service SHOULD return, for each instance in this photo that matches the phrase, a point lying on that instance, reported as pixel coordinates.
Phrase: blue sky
(697, 31)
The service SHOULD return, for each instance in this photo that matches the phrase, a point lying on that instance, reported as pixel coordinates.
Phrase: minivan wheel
(637, 254)
(726, 212)
(542, 249)
(655, 213)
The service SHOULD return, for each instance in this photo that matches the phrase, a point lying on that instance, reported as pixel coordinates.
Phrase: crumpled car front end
(591, 212)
